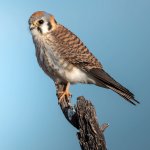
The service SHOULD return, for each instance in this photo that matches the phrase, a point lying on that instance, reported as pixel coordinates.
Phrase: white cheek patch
(44, 27)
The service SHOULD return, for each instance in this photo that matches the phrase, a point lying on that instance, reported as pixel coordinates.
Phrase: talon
(64, 94)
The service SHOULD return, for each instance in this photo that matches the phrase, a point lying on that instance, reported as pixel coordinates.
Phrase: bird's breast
(59, 69)
(55, 66)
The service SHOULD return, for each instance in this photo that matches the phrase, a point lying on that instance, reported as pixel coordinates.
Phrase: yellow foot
(65, 94)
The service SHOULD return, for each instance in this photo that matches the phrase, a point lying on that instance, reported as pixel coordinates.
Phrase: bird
(65, 58)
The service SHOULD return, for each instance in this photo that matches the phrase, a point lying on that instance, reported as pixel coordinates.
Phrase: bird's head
(41, 22)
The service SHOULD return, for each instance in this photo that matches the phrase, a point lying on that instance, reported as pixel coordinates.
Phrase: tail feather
(102, 77)
(128, 97)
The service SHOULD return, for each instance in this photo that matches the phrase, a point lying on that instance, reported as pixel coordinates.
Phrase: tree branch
(83, 117)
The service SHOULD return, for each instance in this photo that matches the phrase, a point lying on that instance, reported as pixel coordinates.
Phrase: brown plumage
(64, 57)
(73, 50)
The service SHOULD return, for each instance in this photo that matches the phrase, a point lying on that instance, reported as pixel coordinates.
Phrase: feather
(102, 77)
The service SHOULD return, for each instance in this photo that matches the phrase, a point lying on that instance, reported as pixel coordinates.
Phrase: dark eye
(41, 21)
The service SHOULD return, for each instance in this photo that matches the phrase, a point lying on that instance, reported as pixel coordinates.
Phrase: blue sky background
(117, 32)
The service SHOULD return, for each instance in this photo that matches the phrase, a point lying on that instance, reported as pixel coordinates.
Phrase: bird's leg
(65, 93)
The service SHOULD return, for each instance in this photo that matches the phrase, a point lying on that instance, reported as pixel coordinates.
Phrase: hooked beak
(33, 25)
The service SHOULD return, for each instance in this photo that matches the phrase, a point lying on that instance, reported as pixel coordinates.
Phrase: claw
(66, 94)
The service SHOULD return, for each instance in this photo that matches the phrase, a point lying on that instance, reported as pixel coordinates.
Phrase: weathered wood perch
(83, 117)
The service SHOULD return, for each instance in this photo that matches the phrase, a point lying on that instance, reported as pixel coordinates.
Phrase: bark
(83, 117)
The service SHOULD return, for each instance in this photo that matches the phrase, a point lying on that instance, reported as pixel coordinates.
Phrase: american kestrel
(64, 57)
